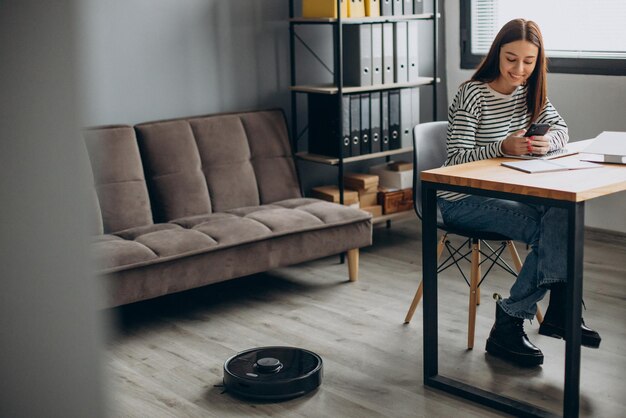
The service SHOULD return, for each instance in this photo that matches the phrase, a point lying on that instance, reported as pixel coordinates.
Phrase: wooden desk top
(570, 185)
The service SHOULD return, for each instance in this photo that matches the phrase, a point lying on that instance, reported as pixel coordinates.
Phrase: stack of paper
(608, 147)
(543, 166)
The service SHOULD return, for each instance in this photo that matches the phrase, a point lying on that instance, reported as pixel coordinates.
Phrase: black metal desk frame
(432, 378)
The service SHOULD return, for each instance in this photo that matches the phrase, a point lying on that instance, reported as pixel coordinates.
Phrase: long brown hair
(489, 68)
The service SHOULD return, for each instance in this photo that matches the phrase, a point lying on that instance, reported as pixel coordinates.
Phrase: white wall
(589, 104)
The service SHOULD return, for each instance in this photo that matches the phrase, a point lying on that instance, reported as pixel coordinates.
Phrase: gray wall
(589, 104)
(50, 334)
(153, 59)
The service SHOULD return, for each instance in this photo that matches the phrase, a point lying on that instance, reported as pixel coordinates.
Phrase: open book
(543, 166)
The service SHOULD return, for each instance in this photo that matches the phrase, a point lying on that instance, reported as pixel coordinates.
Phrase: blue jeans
(544, 229)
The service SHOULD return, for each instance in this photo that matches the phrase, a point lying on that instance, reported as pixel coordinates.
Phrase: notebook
(544, 166)
(557, 153)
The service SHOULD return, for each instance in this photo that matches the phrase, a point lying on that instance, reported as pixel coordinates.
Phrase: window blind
(594, 29)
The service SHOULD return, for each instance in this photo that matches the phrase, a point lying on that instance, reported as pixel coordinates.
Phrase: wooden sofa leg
(353, 264)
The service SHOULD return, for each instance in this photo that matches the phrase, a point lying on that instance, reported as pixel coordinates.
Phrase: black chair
(429, 141)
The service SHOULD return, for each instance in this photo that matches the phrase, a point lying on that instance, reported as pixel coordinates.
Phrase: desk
(565, 189)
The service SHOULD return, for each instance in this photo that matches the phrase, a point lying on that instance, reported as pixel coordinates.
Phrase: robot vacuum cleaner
(273, 373)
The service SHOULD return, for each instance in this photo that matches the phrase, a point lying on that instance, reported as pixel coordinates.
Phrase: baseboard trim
(605, 235)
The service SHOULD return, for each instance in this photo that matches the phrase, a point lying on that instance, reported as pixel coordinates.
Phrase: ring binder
(386, 7)
(389, 72)
(394, 119)
(400, 52)
(365, 124)
(397, 7)
(372, 8)
(357, 55)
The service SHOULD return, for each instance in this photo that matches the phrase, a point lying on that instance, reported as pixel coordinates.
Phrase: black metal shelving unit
(338, 89)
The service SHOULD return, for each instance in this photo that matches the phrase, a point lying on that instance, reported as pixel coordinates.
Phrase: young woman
(487, 119)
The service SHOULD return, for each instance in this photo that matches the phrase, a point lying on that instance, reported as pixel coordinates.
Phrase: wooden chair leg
(539, 315)
(353, 264)
(418, 293)
(414, 303)
(518, 266)
(440, 246)
(474, 279)
(514, 256)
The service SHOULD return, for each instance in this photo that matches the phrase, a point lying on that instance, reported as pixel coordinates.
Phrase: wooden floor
(165, 356)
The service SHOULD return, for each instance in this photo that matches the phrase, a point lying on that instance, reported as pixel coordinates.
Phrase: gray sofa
(188, 202)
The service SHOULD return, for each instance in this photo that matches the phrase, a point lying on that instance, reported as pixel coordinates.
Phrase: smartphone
(537, 129)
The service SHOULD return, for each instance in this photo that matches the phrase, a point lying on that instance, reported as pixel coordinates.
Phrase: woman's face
(517, 62)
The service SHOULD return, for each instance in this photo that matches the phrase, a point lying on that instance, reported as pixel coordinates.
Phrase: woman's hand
(539, 145)
(517, 144)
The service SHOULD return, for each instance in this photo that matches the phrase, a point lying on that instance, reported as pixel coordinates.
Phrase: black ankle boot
(553, 324)
(509, 341)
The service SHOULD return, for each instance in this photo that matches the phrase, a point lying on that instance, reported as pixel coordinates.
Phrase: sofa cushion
(118, 177)
(134, 233)
(216, 163)
(142, 245)
(225, 155)
(174, 242)
(234, 230)
(198, 234)
(283, 220)
(170, 154)
(271, 156)
(326, 212)
(111, 251)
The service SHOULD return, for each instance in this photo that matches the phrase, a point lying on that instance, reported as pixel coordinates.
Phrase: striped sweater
(480, 118)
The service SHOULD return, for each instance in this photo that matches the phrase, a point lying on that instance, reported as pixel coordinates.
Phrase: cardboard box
(393, 179)
(375, 210)
(396, 201)
(368, 199)
(331, 194)
(400, 166)
(368, 190)
(360, 181)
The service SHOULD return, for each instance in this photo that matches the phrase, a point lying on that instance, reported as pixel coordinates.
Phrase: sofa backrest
(119, 179)
(214, 163)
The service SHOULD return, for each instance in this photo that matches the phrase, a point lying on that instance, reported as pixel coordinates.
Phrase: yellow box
(372, 8)
(356, 8)
(323, 8)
